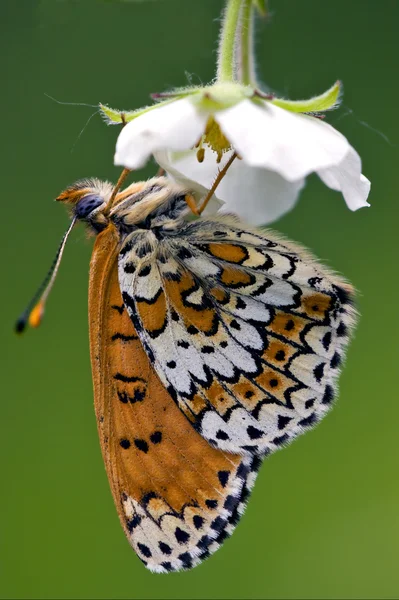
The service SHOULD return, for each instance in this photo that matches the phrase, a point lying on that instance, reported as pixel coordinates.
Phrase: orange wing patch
(235, 277)
(176, 291)
(176, 496)
(228, 252)
(153, 316)
(316, 306)
(288, 326)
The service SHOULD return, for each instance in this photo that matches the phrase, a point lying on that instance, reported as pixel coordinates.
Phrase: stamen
(191, 203)
(218, 179)
(119, 183)
(215, 138)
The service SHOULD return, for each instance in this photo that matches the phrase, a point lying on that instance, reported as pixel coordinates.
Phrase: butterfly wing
(177, 497)
(246, 331)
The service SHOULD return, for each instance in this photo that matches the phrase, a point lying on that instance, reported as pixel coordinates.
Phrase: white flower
(276, 149)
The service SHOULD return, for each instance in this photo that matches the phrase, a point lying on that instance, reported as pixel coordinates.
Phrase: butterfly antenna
(33, 314)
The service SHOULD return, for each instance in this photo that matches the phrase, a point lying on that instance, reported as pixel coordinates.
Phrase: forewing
(246, 331)
(177, 497)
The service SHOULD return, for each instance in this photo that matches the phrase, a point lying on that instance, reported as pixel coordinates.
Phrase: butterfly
(212, 345)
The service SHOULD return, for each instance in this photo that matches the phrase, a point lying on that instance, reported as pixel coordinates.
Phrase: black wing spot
(283, 421)
(218, 524)
(138, 396)
(328, 395)
(120, 309)
(198, 521)
(326, 341)
(164, 548)
(186, 559)
(240, 303)
(129, 267)
(146, 270)
(211, 503)
(335, 361)
(183, 344)
(145, 551)
(143, 250)
(230, 503)
(204, 542)
(310, 420)
(280, 355)
(123, 337)
(222, 435)
(207, 349)
(181, 535)
(223, 477)
(184, 253)
(344, 296)
(318, 372)
(141, 445)
(279, 441)
(289, 325)
(127, 379)
(133, 523)
(156, 437)
(254, 433)
(125, 444)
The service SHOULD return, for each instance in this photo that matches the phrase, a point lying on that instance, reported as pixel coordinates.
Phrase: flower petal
(291, 144)
(176, 126)
(165, 160)
(257, 195)
(347, 178)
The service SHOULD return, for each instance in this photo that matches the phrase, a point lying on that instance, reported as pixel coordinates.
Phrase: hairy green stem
(245, 44)
(226, 68)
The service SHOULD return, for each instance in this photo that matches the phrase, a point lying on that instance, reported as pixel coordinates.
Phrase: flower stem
(246, 67)
(226, 68)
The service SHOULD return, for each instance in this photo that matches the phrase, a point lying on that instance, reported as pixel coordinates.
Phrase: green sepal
(113, 116)
(327, 101)
(177, 93)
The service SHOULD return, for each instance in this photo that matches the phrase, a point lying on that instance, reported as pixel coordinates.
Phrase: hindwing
(177, 497)
(247, 332)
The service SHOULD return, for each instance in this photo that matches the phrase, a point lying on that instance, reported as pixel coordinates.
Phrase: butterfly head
(153, 203)
(88, 198)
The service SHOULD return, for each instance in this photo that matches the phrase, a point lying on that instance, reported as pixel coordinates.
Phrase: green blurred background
(323, 519)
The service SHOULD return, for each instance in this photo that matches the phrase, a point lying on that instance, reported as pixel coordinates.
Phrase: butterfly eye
(87, 205)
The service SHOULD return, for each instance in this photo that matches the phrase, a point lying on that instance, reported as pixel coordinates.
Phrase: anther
(201, 155)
